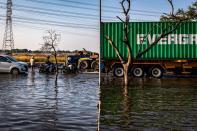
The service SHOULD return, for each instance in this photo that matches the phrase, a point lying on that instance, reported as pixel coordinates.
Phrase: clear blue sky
(77, 21)
(142, 10)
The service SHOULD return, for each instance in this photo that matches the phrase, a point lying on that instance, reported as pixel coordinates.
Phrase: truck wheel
(118, 71)
(83, 65)
(95, 65)
(137, 71)
(156, 72)
(15, 71)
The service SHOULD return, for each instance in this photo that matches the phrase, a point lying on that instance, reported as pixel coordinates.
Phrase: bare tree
(126, 7)
(45, 48)
(126, 4)
(51, 41)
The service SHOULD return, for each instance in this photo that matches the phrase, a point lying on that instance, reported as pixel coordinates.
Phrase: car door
(5, 64)
(1, 68)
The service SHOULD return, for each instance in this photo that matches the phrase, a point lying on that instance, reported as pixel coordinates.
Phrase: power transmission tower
(8, 41)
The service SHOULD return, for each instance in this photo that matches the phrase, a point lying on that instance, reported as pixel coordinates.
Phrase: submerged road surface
(149, 105)
(34, 102)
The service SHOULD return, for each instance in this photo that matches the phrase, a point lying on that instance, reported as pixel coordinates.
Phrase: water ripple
(34, 102)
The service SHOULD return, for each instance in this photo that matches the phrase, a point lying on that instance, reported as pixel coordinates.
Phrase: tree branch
(115, 48)
(120, 19)
(172, 7)
(157, 40)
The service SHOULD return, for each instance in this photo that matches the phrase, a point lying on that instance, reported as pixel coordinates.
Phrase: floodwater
(35, 102)
(149, 105)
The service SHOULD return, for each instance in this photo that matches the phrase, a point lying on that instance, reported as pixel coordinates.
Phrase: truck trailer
(177, 52)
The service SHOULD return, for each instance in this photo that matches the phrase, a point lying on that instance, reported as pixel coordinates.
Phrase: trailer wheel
(118, 71)
(156, 72)
(137, 71)
(83, 65)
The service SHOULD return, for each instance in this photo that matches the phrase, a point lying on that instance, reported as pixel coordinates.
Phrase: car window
(3, 59)
(11, 58)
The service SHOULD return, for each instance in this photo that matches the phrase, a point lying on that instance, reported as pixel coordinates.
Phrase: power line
(85, 15)
(76, 2)
(41, 22)
(111, 7)
(41, 28)
(45, 13)
(52, 10)
(113, 19)
(67, 5)
(104, 18)
(53, 21)
(55, 14)
(58, 25)
(58, 4)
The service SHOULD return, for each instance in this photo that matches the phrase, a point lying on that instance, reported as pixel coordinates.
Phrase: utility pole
(8, 40)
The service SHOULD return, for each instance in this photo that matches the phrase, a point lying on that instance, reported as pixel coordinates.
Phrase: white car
(10, 65)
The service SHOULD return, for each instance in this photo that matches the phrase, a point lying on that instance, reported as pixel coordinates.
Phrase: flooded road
(150, 104)
(33, 102)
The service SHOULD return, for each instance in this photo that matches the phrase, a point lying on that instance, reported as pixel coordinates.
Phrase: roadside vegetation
(40, 58)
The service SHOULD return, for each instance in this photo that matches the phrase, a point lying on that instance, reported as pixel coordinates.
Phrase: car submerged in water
(10, 65)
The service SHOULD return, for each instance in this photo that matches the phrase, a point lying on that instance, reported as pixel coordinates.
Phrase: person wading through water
(32, 63)
(48, 64)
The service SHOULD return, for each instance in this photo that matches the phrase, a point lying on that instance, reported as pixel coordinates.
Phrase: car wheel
(15, 71)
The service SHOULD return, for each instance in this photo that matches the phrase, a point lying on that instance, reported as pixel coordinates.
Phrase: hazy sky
(77, 21)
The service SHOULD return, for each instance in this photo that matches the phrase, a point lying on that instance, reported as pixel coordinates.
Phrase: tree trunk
(55, 55)
(56, 72)
(56, 64)
(126, 79)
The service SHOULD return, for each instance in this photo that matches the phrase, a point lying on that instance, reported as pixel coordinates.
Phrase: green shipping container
(179, 45)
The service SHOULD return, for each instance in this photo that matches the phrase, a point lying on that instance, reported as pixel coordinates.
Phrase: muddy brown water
(35, 102)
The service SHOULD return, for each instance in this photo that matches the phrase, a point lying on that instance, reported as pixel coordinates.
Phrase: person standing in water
(32, 63)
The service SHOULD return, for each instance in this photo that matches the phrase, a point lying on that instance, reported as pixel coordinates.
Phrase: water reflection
(166, 104)
(31, 80)
(36, 102)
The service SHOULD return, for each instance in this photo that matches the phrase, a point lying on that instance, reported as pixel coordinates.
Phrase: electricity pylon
(8, 40)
